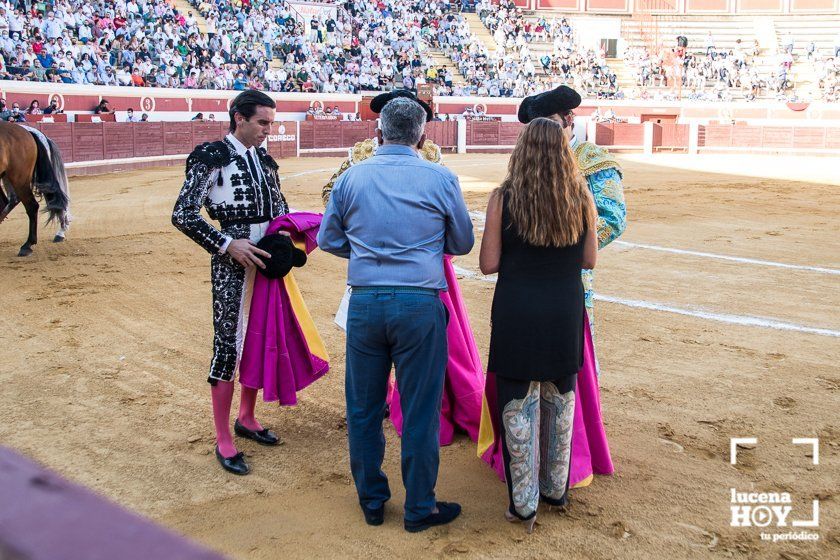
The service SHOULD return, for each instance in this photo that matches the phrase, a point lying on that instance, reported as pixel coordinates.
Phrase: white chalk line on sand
(745, 260)
(743, 320)
(478, 218)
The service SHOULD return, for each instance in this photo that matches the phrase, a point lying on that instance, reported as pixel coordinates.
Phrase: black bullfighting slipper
(447, 512)
(264, 436)
(374, 516)
(235, 464)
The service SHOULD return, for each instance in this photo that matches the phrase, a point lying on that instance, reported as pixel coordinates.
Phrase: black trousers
(537, 419)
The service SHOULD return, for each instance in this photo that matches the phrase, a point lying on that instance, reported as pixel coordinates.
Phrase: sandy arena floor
(107, 341)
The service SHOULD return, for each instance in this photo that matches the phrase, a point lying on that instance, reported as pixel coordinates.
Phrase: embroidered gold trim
(592, 159)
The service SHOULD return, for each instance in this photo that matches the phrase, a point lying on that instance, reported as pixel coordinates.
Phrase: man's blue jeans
(407, 327)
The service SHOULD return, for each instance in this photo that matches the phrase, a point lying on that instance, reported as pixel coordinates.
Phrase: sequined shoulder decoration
(211, 154)
(362, 150)
(592, 159)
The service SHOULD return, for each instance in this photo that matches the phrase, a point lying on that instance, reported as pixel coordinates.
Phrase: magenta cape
(464, 383)
(590, 450)
(283, 352)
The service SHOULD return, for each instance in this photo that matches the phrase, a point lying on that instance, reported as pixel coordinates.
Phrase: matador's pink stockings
(247, 404)
(222, 395)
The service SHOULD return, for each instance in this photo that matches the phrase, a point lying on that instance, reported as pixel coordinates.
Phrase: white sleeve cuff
(223, 249)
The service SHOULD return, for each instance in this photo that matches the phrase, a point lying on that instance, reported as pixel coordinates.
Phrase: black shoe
(374, 516)
(235, 464)
(264, 436)
(447, 512)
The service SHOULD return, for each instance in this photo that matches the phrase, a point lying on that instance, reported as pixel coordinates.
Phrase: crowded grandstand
(483, 49)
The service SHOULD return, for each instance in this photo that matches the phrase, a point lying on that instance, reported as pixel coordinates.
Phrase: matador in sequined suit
(237, 183)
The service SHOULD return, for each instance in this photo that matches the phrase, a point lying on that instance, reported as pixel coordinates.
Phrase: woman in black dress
(540, 232)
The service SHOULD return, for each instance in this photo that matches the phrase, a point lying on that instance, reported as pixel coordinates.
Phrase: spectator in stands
(788, 42)
(4, 112)
(15, 115)
(198, 117)
(810, 50)
(34, 108)
(52, 108)
(102, 107)
(129, 115)
(144, 117)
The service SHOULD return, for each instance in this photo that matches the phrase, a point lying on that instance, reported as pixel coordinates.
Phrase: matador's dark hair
(246, 104)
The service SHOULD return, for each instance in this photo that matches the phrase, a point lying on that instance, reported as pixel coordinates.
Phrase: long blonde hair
(548, 200)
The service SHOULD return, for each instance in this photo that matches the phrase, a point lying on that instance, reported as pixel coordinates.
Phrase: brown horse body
(19, 156)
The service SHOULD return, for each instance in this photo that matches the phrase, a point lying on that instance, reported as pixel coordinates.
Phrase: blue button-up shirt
(394, 215)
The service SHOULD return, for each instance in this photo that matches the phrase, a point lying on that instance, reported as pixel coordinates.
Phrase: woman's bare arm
(491, 241)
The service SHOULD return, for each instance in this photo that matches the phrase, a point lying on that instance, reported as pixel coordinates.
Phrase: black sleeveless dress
(538, 309)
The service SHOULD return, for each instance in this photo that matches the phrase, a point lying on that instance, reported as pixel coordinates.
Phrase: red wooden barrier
(101, 117)
(80, 142)
(444, 134)
(57, 117)
(148, 139)
(119, 140)
(769, 137)
(88, 141)
(669, 135)
(282, 142)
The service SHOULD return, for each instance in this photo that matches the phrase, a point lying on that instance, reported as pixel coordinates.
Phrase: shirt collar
(239, 146)
(396, 149)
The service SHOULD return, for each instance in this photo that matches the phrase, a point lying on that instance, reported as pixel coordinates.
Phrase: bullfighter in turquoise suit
(598, 166)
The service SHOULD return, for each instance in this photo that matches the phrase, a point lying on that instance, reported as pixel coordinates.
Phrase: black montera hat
(548, 103)
(378, 103)
(284, 255)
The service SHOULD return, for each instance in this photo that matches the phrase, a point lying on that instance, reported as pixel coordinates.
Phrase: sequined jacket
(603, 175)
(218, 179)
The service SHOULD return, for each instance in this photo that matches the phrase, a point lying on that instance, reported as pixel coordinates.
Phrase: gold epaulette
(365, 149)
(430, 152)
(592, 159)
(362, 150)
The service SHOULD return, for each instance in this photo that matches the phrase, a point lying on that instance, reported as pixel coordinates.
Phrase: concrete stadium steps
(726, 30)
(822, 30)
(479, 30)
(625, 74)
(805, 79)
(441, 60)
(184, 6)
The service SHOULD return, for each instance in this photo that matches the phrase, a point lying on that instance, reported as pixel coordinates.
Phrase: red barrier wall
(670, 135)
(770, 137)
(84, 142)
(619, 134)
(111, 140)
(326, 135)
(492, 133)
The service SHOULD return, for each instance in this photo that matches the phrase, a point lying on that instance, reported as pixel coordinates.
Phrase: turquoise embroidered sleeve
(609, 199)
(612, 219)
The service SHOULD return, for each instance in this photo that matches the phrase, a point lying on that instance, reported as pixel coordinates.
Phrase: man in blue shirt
(394, 215)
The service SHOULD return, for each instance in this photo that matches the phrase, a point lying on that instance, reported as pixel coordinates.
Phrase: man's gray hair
(402, 121)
